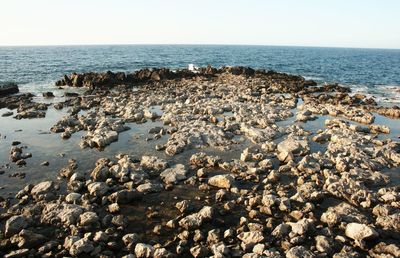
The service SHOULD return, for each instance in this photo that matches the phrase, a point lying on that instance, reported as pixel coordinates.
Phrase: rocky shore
(238, 171)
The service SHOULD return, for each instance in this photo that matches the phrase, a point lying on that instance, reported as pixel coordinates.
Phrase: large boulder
(15, 224)
(8, 88)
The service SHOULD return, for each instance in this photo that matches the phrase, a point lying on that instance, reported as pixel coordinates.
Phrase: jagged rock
(299, 252)
(221, 181)
(67, 214)
(89, 220)
(174, 174)
(144, 250)
(98, 189)
(42, 188)
(80, 247)
(195, 220)
(359, 231)
(249, 239)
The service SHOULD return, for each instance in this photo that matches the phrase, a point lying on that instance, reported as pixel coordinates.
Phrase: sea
(374, 72)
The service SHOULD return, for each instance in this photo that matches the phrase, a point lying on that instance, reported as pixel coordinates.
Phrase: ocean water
(371, 71)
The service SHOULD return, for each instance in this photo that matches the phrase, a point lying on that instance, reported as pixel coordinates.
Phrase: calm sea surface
(372, 71)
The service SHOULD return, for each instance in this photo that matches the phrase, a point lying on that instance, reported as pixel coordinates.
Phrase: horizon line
(188, 44)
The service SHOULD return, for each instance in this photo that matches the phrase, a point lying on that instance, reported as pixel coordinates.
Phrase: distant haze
(335, 23)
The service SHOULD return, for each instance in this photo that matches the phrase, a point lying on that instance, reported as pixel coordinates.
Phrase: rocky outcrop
(109, 79)
(8, 89)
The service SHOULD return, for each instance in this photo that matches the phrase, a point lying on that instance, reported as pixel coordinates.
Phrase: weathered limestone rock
(221, 181)
(174, 174)
(359, 231)
(195, 220)
(144, 250)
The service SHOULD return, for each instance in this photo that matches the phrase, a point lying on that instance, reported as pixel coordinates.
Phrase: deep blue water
(375, 71)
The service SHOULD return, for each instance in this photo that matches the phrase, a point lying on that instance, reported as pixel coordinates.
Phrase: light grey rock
(152, 162)
(323, 244)
(42, 188)
(73, 197)
(195, 220)
(143, 250)
(174, 174)
(359, 231)
(82, 246)
(150, 188)
(221, 181)
(89, 220)
(249, 239)
(98, 189)
(68, 214)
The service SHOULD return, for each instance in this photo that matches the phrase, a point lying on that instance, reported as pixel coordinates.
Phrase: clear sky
(338, 23)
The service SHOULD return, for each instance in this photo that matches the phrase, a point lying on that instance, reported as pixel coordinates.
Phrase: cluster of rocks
(25, 106)
(17, 156)
(356, 107)
(275, 189)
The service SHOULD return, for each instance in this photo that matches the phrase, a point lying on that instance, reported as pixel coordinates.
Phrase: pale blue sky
(338, 23)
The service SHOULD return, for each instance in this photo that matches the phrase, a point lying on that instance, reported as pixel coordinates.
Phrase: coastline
(203, 163)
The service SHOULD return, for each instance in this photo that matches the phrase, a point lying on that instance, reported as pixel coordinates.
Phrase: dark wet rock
(299, 251)
(125, 196)
(15, 224)
(30, 239)
(17, 253)
(15, 101)
(6, 114)
(71, 94)
(8, 88)
(45, 163)
(48, 94)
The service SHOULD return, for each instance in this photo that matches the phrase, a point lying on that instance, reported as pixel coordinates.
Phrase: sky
(326, 23)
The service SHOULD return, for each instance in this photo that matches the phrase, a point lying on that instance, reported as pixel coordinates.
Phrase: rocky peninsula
(235, 162)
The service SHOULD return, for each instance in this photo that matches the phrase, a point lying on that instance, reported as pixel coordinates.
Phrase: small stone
(45, 163)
